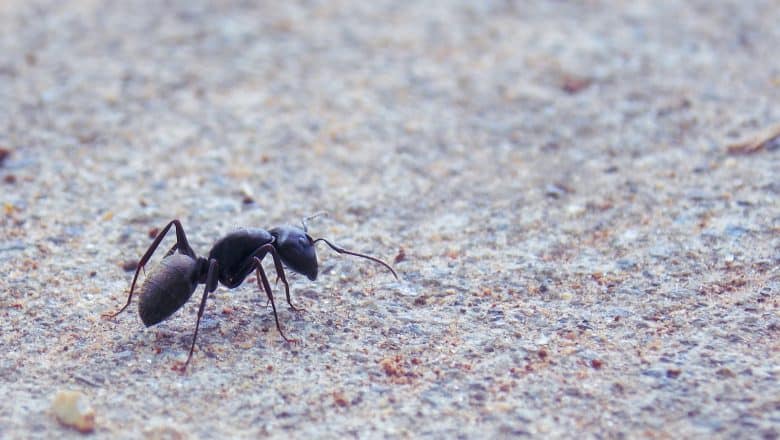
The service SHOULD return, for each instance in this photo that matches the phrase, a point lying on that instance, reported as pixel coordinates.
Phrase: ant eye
(303, 240)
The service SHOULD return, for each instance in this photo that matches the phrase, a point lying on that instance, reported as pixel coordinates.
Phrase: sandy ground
(580, 252)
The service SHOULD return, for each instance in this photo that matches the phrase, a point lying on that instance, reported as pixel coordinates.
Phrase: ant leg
(265, 285)
(260, 253)
(211, 285)
(181, 244)
(280, 276)
(167, 254)
(171, 250)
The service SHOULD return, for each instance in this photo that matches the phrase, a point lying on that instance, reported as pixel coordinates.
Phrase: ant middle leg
(181, 244)
(260, 253)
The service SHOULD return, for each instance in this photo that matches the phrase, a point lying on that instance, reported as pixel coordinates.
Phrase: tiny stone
(726, 373)
(73, 409)
(400, 256)
(574, 84)
(340, 400)
(164, 432)
(4, 153)
(555, 191)
(129, 265)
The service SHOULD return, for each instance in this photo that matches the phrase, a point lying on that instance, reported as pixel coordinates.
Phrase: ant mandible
(232, 258)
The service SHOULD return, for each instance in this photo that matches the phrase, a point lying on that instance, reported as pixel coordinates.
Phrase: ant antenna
(316, 214)
(344, 251)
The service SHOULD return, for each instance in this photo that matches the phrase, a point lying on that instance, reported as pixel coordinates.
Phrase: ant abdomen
(167, 287)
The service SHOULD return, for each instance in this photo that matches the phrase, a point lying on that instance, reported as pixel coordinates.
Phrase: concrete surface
(582, 253)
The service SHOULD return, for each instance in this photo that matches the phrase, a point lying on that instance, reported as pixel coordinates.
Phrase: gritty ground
(580, 252)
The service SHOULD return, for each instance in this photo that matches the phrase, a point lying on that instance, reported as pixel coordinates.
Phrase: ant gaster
(232, 258)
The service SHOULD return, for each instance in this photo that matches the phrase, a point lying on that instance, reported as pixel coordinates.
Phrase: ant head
(296, 249)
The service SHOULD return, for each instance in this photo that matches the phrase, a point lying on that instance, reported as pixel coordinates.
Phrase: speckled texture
(582, 253)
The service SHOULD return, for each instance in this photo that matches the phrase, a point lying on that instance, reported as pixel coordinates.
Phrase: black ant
(232, 258)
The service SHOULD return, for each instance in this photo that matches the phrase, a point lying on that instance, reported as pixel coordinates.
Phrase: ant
(232, 258)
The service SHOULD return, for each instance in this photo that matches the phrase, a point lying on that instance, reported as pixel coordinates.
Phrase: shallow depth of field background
(585, 245)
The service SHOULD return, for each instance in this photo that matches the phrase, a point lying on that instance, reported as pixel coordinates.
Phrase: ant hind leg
(181, 244)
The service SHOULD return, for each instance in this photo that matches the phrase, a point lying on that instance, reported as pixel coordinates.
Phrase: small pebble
(673, 373)
(164, 432)
(554, 191)
(340, 400)
(4, 153)
(73, 409)
(401, 256)
(129, 265)
(573, 84)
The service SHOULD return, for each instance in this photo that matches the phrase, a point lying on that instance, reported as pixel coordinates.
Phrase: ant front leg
(181, 244)
(280, 276)
(262, 281)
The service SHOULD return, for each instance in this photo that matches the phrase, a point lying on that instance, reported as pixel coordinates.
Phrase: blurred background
(584, 242)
